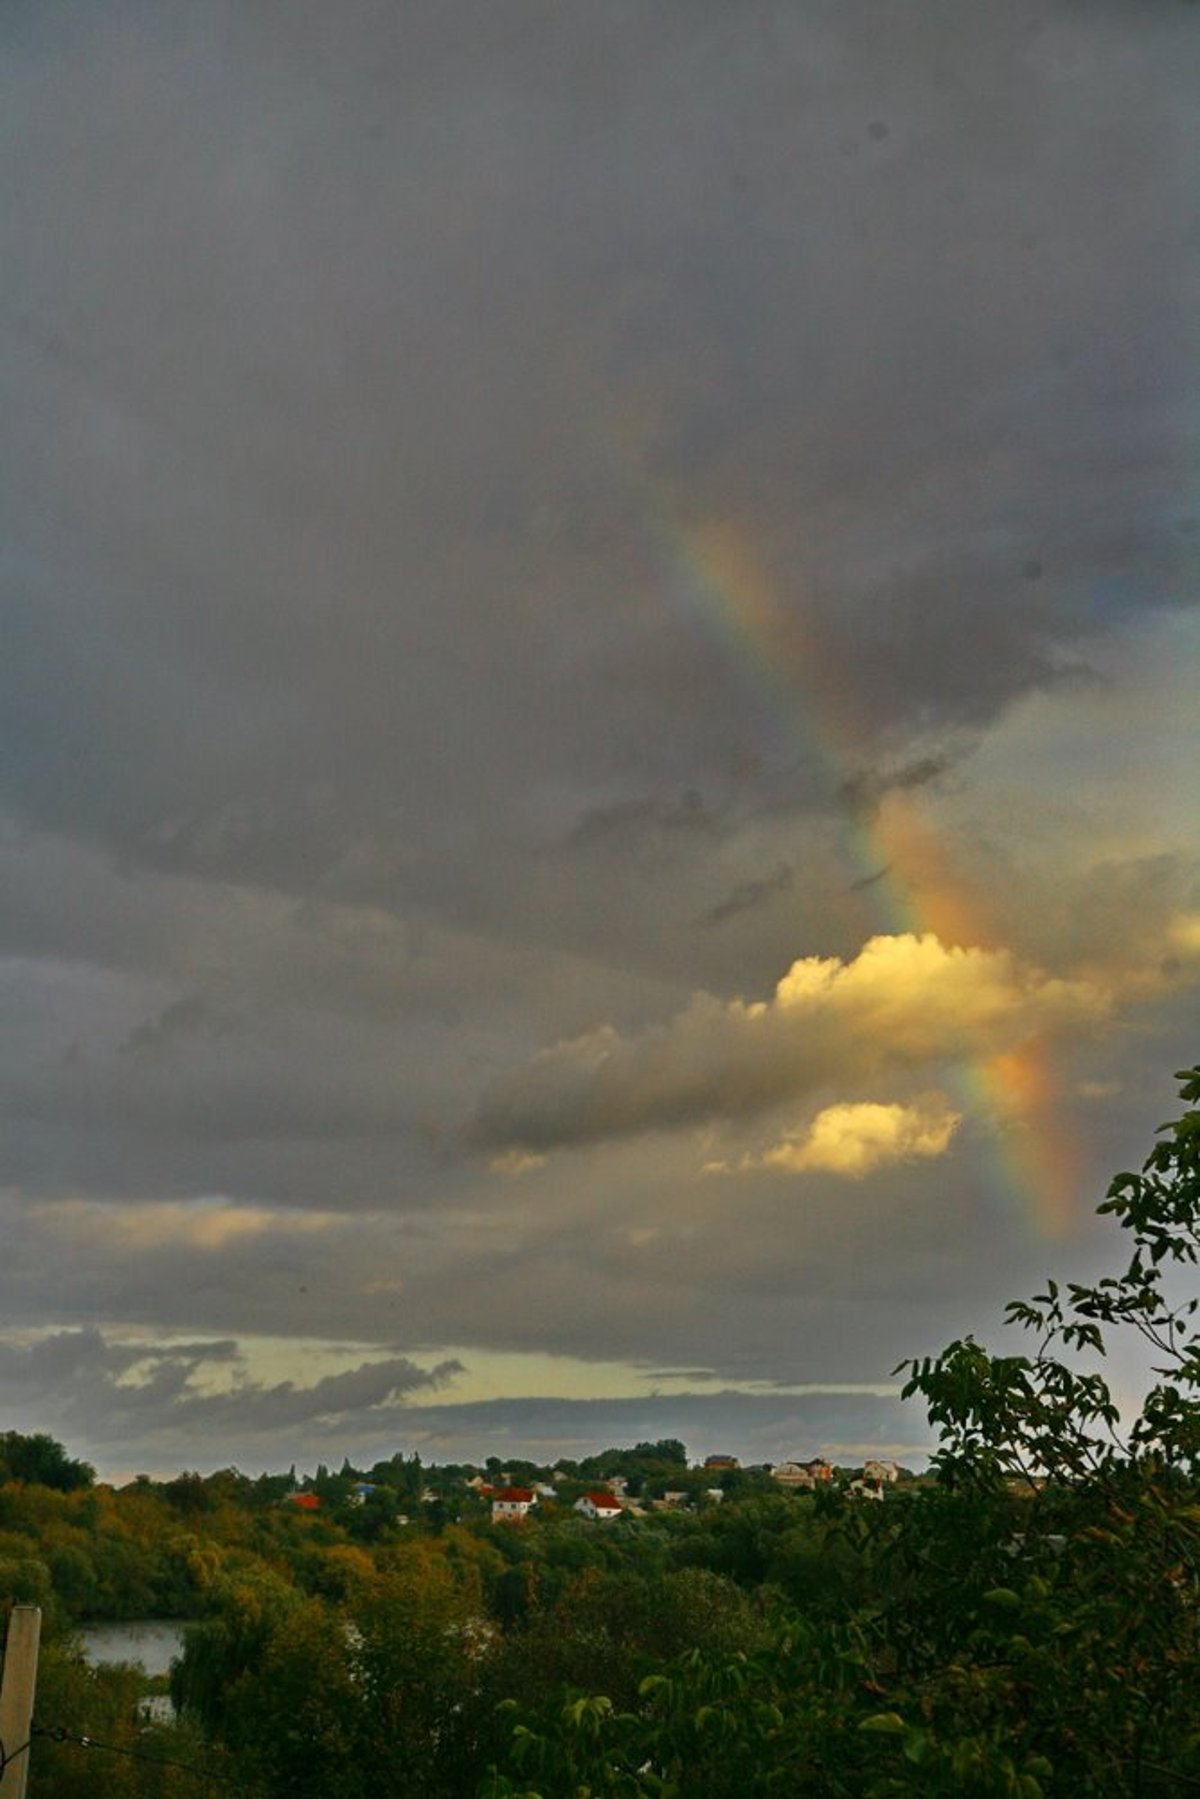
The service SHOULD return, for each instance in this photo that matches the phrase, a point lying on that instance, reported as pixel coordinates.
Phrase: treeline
(1026, 1623)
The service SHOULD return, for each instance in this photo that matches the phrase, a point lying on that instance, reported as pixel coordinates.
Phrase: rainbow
(897, 857)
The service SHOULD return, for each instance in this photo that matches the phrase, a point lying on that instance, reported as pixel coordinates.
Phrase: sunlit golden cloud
(905, 1002)
(855, 1139)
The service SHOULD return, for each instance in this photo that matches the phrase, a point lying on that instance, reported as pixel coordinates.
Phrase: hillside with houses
(620, 1483)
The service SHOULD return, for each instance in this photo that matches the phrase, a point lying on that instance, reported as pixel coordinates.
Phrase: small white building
(865, 1489)
(511, 1504)
(794, 1475)
(601, 1508)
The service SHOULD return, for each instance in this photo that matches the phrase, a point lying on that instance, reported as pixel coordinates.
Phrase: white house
(793, 1474)
(601, 1508)
(511, 1504)
(865, 1489)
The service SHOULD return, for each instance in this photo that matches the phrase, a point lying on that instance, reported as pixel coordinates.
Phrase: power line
(57, 1734)
(6, 1756)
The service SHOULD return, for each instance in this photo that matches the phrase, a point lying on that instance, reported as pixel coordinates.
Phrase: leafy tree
(1089, 1639)
(189, 1494)
(296, 1719)
(1042, 1416)
(42, 1461)
(1027, 1625)
(228, 1647)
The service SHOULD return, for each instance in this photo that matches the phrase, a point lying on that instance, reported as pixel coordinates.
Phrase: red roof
(604, 1502)
(308, 1501)
(513, 1496)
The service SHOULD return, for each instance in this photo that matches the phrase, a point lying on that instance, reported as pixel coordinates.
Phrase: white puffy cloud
(854, 1139)
(904, 1002)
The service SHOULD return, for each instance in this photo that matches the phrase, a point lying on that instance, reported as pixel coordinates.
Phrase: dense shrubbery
(1024, 1624)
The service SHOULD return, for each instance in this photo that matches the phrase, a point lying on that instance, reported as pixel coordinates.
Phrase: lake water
(150, 1641)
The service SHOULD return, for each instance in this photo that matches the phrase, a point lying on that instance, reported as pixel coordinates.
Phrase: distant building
(794, 1475)
(307, 1502)
(511, 1504)
(865, 1489)
(721, 1461)
(599, 1507)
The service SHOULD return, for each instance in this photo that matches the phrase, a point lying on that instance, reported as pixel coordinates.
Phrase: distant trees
(42, 1461)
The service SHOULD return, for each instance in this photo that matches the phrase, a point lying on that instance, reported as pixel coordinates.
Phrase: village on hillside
(620, 1483)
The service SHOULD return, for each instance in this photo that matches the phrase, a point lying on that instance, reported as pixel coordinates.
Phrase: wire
(57, 1734)
(5, 1758)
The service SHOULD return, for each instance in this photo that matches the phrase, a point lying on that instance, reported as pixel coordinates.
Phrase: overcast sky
(598, 826)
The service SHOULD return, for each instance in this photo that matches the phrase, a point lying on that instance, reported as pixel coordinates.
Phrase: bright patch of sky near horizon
(597, 727)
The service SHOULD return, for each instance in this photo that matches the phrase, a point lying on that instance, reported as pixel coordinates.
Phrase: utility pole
(17, 1686)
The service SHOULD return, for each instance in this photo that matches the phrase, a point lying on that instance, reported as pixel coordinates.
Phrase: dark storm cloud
(625, 826)
(864, 789)
(322, 340)
(137, 1403)
(179, 1021)
(112, 1391)
(748, 896)
(634, 1261)
(370, 723)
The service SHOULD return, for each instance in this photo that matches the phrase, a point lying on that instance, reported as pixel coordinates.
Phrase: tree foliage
(42, 1461)
(1043, 1415)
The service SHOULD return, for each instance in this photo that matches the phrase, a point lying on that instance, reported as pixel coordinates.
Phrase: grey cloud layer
(121, 1392)
(369, 727)
(311, 375)
(378, 1408)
